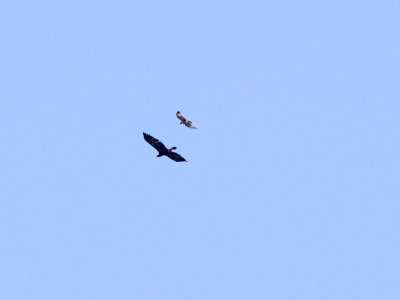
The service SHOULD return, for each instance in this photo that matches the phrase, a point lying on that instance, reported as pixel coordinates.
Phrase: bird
(184, 121)
(162, 150)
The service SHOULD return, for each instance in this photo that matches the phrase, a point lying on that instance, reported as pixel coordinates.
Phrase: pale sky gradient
(292, 185)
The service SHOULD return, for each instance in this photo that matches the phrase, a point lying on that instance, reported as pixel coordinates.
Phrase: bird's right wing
(175, 156)
(190, 125)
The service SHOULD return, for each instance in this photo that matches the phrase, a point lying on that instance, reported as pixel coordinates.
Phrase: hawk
(162, 150)
(184, 121)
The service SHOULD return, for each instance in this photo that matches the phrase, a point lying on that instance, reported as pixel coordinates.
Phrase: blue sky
(291, 189)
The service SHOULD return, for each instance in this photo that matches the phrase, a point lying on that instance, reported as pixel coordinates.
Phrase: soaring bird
(162, 150)
(184, 121)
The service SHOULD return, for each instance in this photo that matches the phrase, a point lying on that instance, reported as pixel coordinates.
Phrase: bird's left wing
(180, 117)
(154, 142)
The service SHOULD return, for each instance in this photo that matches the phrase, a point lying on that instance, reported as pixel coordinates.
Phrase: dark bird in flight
(162, 150)
(184, 121)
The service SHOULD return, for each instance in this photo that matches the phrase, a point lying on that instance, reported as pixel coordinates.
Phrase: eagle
(162, 150)
(184, 121)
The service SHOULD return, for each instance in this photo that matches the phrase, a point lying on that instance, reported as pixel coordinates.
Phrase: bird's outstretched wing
(180, 117)
(190, 125)
(155, 143)
(175, 156)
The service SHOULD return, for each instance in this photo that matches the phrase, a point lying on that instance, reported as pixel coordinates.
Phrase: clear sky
(292, 185)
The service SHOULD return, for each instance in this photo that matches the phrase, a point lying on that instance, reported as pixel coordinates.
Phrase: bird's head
(173, 148)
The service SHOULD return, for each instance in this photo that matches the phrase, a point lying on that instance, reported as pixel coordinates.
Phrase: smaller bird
(184, 121)
(162, 150)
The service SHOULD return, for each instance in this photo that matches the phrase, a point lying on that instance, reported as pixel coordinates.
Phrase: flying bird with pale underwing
(184, 121)
(162, 150)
